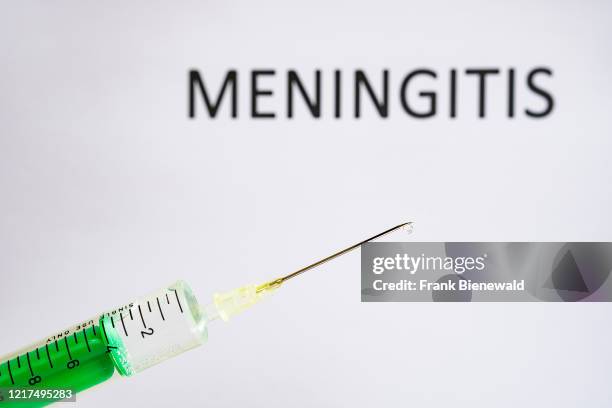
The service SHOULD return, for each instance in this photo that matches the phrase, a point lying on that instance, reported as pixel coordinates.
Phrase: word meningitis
(418, 92)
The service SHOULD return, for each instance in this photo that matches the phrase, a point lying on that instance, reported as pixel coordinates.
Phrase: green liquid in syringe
(76, 362)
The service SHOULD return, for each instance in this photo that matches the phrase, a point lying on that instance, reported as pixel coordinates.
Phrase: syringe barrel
(125, 340)
(154, 328)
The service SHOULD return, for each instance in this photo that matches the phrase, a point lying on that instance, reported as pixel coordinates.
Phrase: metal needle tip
(279, 281)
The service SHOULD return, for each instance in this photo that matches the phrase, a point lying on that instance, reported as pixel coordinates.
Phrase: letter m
(196, 84)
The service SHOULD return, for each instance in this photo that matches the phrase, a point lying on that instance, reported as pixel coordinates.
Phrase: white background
(108, 191)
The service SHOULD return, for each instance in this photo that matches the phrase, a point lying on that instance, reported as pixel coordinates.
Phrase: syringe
(128, 339)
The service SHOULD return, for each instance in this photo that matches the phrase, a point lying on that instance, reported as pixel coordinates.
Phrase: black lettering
(482, 92)
(314, 106)
(550, 103)
(256, 92)
(427, 94)
(453, 93)
(381, 106)
(212, 107)
(338, 92)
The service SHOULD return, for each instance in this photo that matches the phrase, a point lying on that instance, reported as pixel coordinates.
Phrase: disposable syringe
(126, 340)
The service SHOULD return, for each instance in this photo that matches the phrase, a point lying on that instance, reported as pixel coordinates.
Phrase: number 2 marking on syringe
(149, 330)
(150, 305)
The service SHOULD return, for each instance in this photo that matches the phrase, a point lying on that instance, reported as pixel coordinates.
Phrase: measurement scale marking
(68, 348)
(149, 305)
(18, 362)
(178, 300)
(131, 315)
(48, 355)
(167, 299)
(142, 318)
(123, 324)
(37, 353)
(160, 311)
(112, 322)
(76, 341)
(104, 331)
(56, 346)
(29, 364)
(8, 365)
(86, 341)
